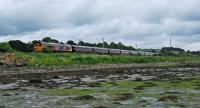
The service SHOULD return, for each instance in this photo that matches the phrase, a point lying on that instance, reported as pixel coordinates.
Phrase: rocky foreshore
(102, 86)
(15, 70)
(8, 73)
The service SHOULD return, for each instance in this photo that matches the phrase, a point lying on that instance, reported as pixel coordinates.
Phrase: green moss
(121, 87)
(130, 83)
(186, 84)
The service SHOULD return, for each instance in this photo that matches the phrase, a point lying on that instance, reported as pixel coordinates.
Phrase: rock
(8, 86)
(20, 64)
(23, 89)
(138, 79)
(181, 105)
(22, 81)
(35, 81)
(94, 84)
(6, 94)
(100, 107)
(117, 103)
(16, 94)
(142, 101)
(197, 88)
(173, 98)
(56, 77)
(2, 106)
(172, 92)
(124, 96)
(85, 97)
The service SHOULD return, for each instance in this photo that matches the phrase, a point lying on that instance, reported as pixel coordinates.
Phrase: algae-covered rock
(124, 96)
(35, 81)
(85, 97)
(100, 107)
(173, 98)
(94, 84)
(138, 79)
(6, 94)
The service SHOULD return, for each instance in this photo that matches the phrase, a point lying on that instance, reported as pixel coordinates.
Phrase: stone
(173, 98)
(35, 81)
(138, 79)
(100, 107)
(94, 84)
(85, 97)
(124, 96)
(6, 94)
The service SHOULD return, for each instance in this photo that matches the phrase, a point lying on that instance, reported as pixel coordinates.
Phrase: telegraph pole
(136, 46)
(170, 41)
(103, 45)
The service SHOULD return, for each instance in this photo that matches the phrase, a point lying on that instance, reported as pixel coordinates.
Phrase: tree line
(29, 47)
(17, 45)
(113, 45)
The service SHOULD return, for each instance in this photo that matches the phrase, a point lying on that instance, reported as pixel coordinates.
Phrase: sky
(147, 23)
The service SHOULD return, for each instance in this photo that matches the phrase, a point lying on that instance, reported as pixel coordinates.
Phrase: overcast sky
(148, 23)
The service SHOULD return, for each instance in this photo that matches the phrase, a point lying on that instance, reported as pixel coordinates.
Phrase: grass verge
(63, 59)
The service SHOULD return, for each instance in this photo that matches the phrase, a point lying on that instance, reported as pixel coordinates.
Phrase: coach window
(61, 47)
(40, 45)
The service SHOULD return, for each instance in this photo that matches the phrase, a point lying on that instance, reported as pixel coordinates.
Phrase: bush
(20, 46)
(48, 50)
(5, 47)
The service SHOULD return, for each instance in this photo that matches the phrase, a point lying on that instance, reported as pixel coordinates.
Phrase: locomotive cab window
(40, 45)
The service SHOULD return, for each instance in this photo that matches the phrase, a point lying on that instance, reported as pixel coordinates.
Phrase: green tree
(5, 47)
(46, 39)
(113, 45)
(34, 42)
(81, 43)
(21, 46)
(71, 42)
(49, 39)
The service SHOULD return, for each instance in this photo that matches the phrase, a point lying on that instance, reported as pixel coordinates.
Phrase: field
(63, 59)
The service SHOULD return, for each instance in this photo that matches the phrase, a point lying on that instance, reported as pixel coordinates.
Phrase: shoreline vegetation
(71, 59)
(20, 63)
(34, 59)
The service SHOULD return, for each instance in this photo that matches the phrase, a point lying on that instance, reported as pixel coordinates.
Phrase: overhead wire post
(103, 44)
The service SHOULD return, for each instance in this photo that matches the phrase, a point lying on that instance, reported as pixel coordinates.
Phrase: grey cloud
(131, 21)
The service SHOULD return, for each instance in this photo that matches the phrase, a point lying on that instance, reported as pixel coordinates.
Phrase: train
(60, 47)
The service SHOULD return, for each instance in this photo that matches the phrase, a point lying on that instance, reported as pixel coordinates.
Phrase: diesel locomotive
(58, 47)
